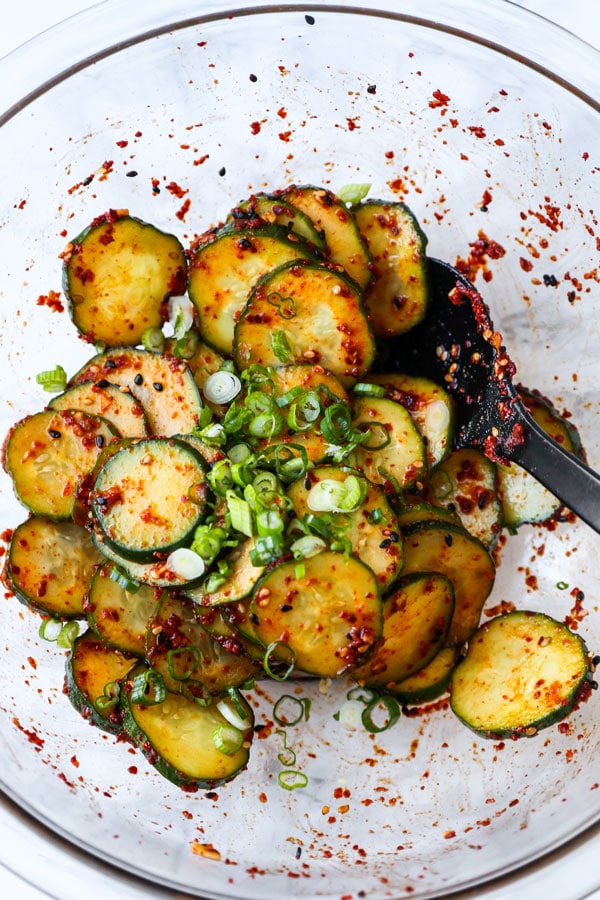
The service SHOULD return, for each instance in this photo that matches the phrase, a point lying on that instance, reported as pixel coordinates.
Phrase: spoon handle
(564, 474)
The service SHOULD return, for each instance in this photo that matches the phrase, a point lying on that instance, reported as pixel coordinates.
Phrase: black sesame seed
(99, 440)
(298, 852)
(285, 607)
(253, 77)
(310, 20)
(54, 433)
(157, 386)
(449, 540)
(103, 383)
(211, 795)
(110, 364)
(580, 597)
(254, 618)
(139, 379)
(385, 543)
(372, 89)
(395, 537)
(550, 280)
(222, 171)
(155, 189)
(132, 174)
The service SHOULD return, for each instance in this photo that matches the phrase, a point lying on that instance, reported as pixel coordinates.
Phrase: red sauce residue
(51, 300)
(183, 210)
(482, 250)
(439, 100)
(31, 736)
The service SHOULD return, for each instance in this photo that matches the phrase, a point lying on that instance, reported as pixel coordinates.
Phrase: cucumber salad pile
(233, 489)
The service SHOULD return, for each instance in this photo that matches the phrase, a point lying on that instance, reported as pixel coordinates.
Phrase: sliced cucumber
(50, 565)
(394, 455)
(305, 312)
(117, 615)
(118, 276)
(239, 583)
(101, 398)
(524, 499)
(423, 513)
(149, 497)
(416, 618)
(48, 453)
(372, 529)
(324, 612)
(93, 669)
(452, 551)
(188, 658)
(397, 295)
(180, 738)
(430, 682)
(343, 242)
(430, 406)
(163, 385)
(523, 671)
(276, 211)
(466, 482)
(226, 266)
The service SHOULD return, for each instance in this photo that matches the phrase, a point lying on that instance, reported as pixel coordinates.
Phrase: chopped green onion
(266, 425)
(186, 346)
(267, 549)
(198, 692)
(286, 306)
(53, 380)
(235, 418)
(441, 484)
(148, 688)
(391, 714)
(239, 513)
(227, 739)
(279, 647)
(336, 424)
(222, 387)
(304, 412)
(306, 546)
(365, 695)
(363, 389)
(257, 375)
(289, 710)
(353, 193)
(220, 478)
(269, 522)
(109, 699)
(290, 779)
(239, 453)
(287, 757)
(50, 629)
(293, 393)
(209, 540)
(562, 585)
(154, 340)
(182, 654)
(330, 495)
(234, 711)
(186, 563)
(123, 580)
(299, 570)
(280, 346)
(350, 715)
(181, 316)
(290, 461)
(68, 633)
(370, 438)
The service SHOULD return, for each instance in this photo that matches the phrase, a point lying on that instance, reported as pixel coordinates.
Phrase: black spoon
(457, 346)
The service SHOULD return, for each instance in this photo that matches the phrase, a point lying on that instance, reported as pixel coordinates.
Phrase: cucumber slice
(156, 574)
(326, 610)
(343, 242)
(275, 211)
(188, 658)
(90, 667)
(118, 276)
(240, 581)
(452, 551)
(524, 499)
(523, 671)
(48, 453)
(163, 385)
(117, 616)
(101, 398)
(226, 265)
(430, 406)
(50, 565)
(305, 312)
(149, 497)
(177, 737)
(394, 456)
(466, 482)
(416, 618)
(372, 529)
(423, 513)
(397, 296)
(430, 682)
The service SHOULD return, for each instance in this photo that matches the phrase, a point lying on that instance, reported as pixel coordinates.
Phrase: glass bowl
(177, 111)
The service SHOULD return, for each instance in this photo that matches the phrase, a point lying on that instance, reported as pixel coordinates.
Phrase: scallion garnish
(239, 514)
(186, 346)
(153, 340)
(222, 387)
(290, 779)
(364, 389)
(353, 193)
(562, 585)
(50, 629)
(330, 495)
(275, 650)
(285, 306)
(52, 380)
(181, 316)
(109, 699)
(186, 656)
(68, 633)
(227, 739)
(186, 563)
(380, 714)
(288, 710)
(234, 710)
(280, 346)
(148, 688)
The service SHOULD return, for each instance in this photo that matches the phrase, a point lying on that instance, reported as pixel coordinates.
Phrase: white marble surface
(23, 21)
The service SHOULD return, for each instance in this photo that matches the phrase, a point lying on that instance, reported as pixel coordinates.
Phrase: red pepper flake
(449, 834)
(176, 190)
(32, 662)
(282, 113)
(122, 144)
(477, 130)
(255, 127)
(75, 761)
(285, 136)
(439, 100)
(352, 124)
(525, 264)
(389, 154)
(201, 159)
(64, 778)
(51, 300)
(183, 210)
